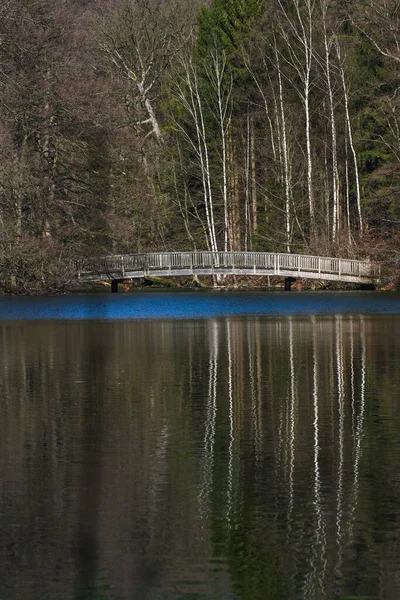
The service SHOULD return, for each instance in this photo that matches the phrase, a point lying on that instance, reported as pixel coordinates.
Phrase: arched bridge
(169, 264)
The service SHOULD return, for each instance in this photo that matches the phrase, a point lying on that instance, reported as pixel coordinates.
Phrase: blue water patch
(196, 305)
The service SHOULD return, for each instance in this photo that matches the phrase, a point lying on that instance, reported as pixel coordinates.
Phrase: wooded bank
(132, 126)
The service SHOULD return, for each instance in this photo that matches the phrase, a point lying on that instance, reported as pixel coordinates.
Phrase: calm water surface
(250, 455)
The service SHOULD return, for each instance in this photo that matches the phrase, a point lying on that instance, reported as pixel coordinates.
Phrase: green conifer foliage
(225, 25)
(375, 83)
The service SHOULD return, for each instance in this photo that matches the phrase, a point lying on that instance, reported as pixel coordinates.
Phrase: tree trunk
(284, 154)
(351, 142)
(253, 178)
(335, 182)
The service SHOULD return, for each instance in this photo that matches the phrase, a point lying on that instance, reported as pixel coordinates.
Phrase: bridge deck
(160, 264)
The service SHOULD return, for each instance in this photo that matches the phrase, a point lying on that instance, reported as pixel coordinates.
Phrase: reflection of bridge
(171, 264)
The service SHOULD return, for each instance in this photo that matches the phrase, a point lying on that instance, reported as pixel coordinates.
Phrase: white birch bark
(348, 220)
(278, 136)
(253, 178)
(247, 184)
(335, 178)
(213, 238)
(306, 40)
(327, 202)
(217, 77)
(301, 28)
(284, 147)
(143, 87)
(190, 99)
(351, 141)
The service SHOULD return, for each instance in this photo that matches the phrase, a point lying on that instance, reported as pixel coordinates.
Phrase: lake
(200, 446)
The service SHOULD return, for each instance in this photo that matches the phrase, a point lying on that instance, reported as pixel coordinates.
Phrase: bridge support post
(288, 283)
(114, 286)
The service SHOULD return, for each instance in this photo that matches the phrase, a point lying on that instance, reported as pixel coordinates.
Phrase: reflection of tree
(209, 431)
(89, 488)
(231, 445)
(340, 418)
(260, 454)
(314, 584)
(358, 419)
(311, 454)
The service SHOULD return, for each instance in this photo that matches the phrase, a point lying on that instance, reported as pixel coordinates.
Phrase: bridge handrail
(274, 261)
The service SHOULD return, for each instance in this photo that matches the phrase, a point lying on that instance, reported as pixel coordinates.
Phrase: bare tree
(297, 30)
(284, 150)
(141, 37)
(328, 43)
(188, 94)
(379, 21)
(217, 73)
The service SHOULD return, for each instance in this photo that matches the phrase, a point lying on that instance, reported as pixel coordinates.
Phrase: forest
(157, 125)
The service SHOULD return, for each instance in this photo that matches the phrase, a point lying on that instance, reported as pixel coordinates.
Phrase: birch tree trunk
(327, 195)
(351, 141)
(247, 186)
(207, 168)
(335, 178)
(306, 38)
(348, 220)
(223, 92)
(284, 153)
(253, 177)
(191, 101)
(301, 29)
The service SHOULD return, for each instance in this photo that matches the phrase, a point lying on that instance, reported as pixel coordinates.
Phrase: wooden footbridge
(117, 268)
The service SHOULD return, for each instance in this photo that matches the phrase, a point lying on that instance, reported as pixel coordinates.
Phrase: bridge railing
(273, 262)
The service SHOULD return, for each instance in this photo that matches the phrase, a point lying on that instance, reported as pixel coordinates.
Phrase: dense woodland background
(140, 125)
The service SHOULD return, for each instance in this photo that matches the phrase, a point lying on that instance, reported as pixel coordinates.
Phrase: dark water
(235, 457)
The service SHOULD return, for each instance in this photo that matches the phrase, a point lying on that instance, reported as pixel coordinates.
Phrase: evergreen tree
(226, 24)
